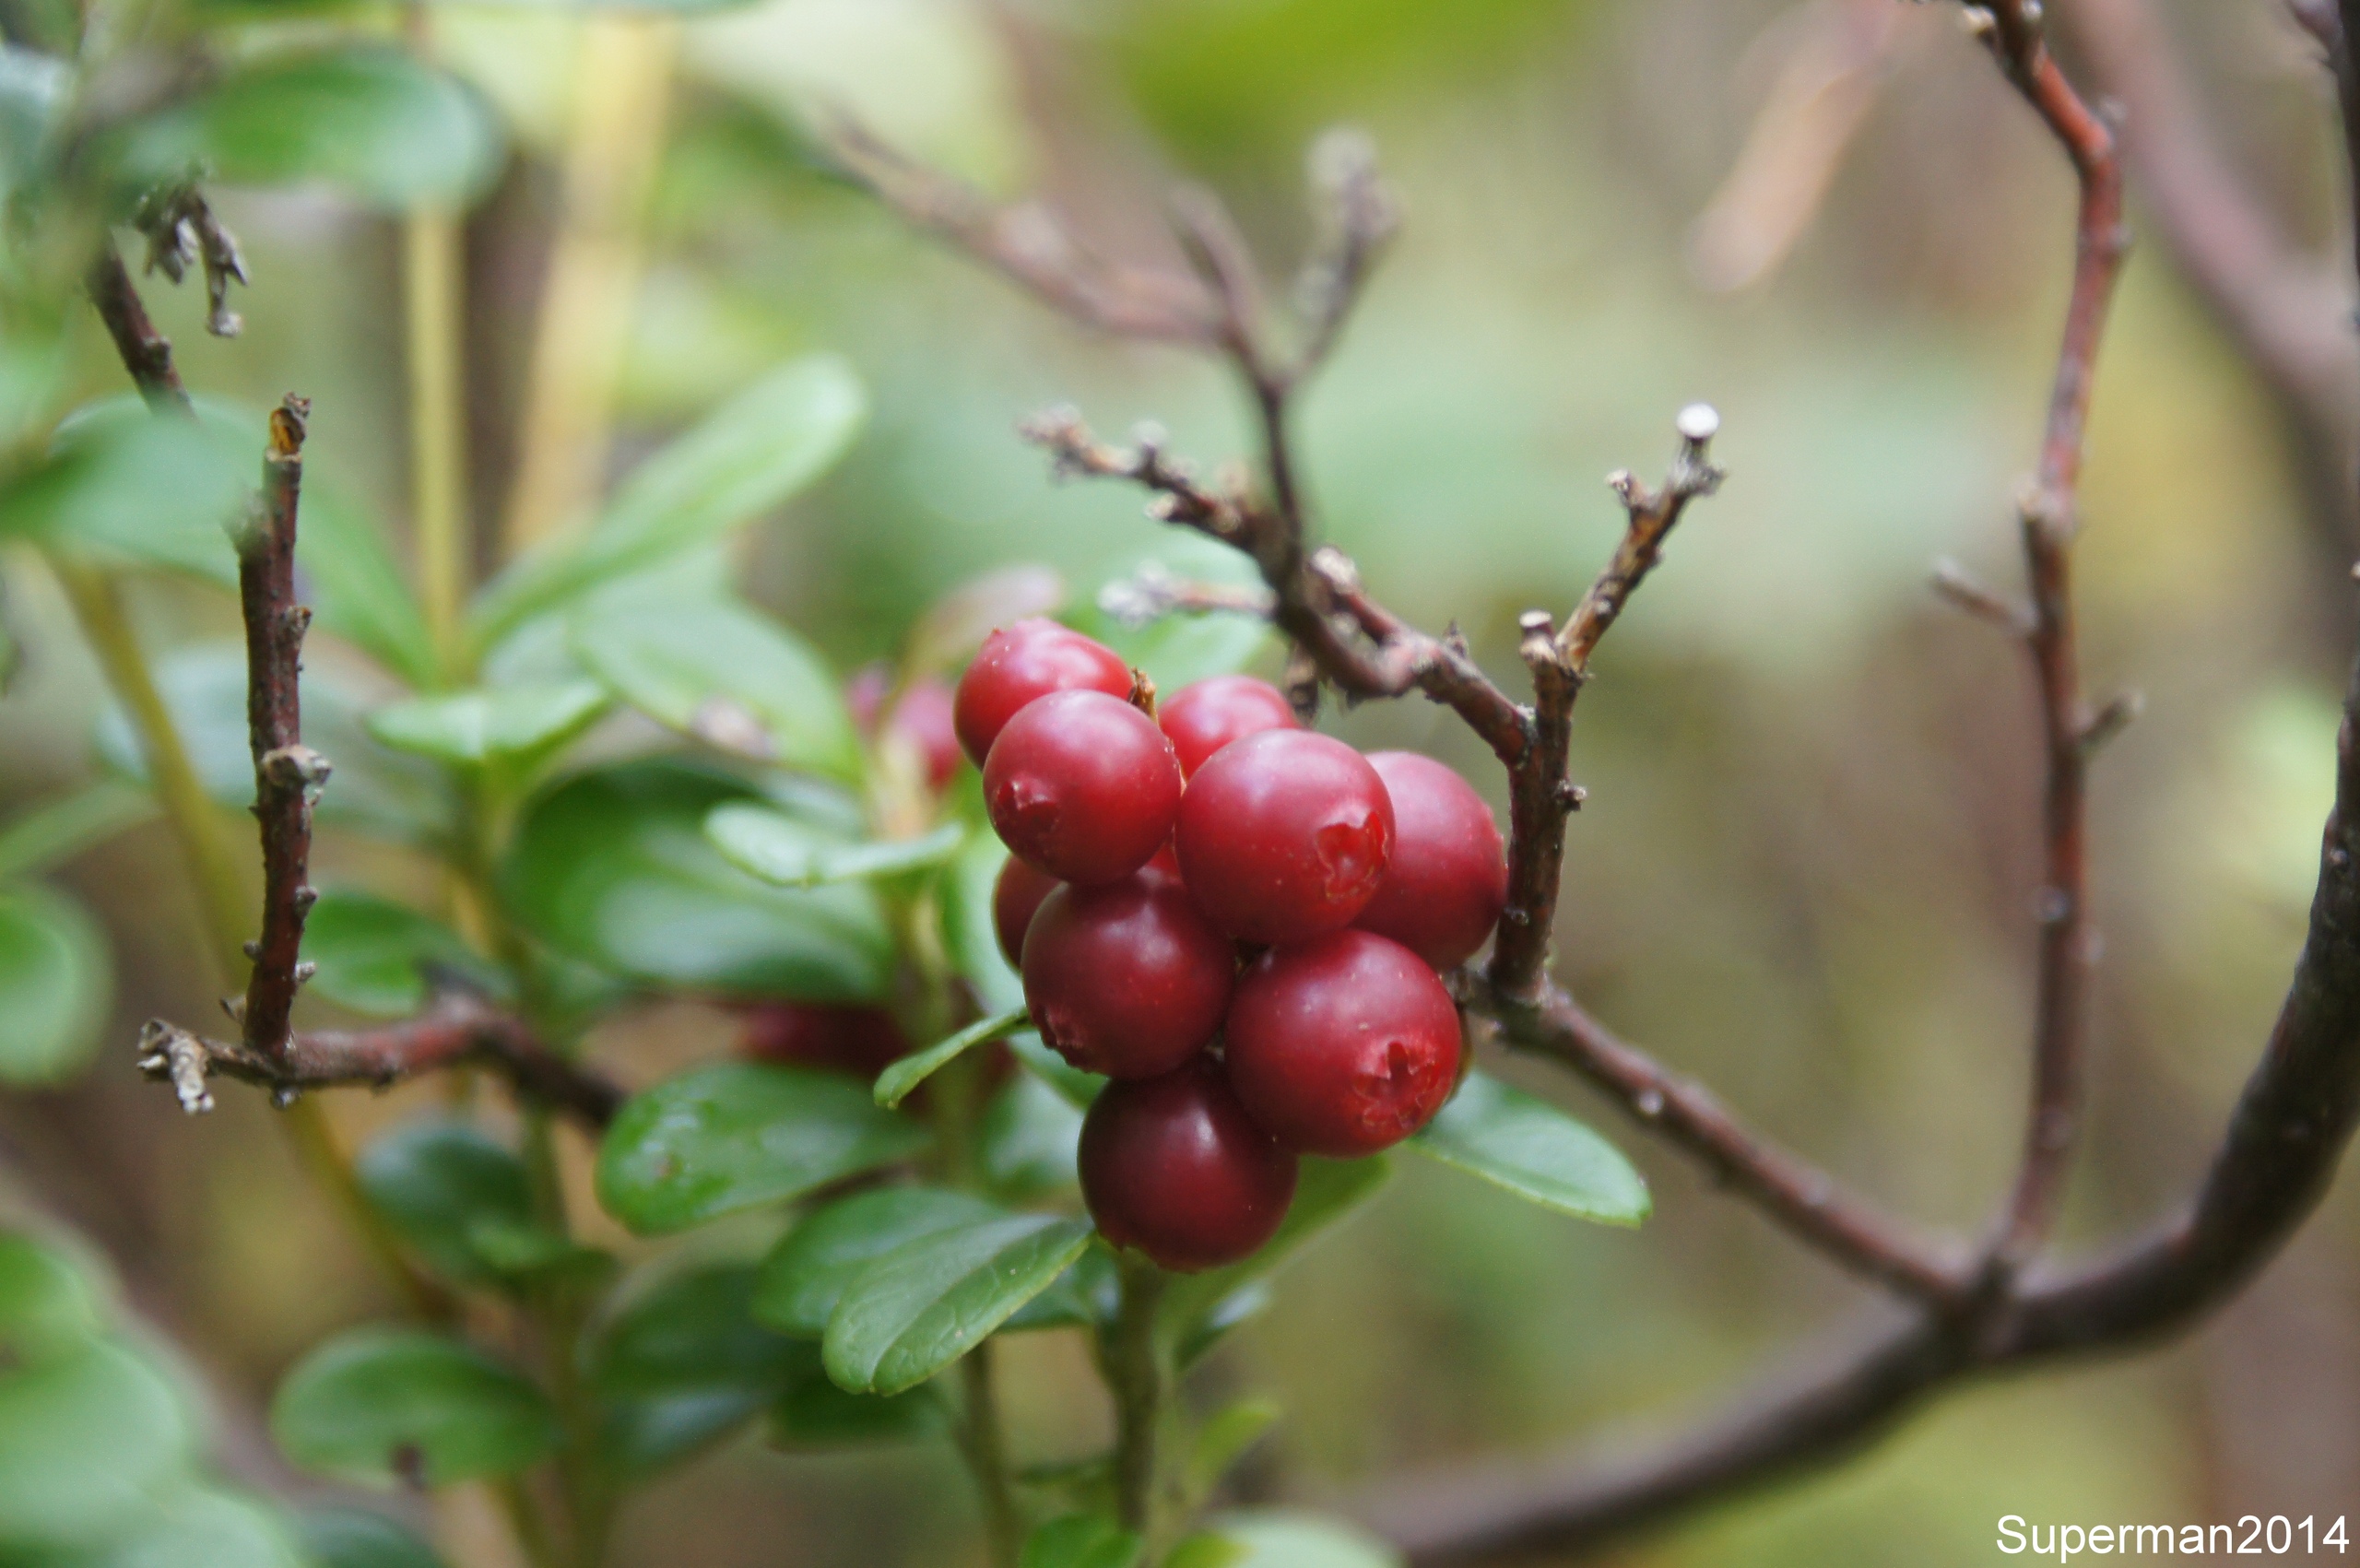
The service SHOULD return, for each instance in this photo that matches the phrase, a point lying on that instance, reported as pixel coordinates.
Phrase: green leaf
(52, 834)
(789, 852)
(33, 87)
(930, 1300)
(967, 924)
(1081, 1540)
(815, 1413)
(85, 1439)
(721, 672)
(1178, 650)
(739, 1134)
(355, 1538)
(357, 590)
(805, 1275)
(463, 1202)
(371, 120)
(746, 458)
(56, 979)
(894, 1084)
(613, 867)
(1224, 1440)
(194, 1525)
(1514, 1140)
(684, 1363)
(1031, 1136)
(1325, 1191)
(373, 1402)
(204, 688)
(127, 486)
(1286, 1537)
(49, 1306)
(372, 954)
(513, 726)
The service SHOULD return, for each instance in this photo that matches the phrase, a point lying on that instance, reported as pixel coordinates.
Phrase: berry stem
(1134, 1370)
(980, 1441)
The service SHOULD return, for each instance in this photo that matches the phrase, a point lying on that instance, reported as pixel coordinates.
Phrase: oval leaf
(52, 834)
(789, 852)
(613, 867)
(684, 1363)
(732, 1135)
(805, 1275)
(513, 726)
(463, 1202)
(355, 1538)
(746, 458)
(85, 1439)
(378, 1403)
(372, 955)
(815, 1413)
(48, 1304)
(56, 981)
(722, 673)
(927, 1302)
(1515, 1140)
(896, 1082)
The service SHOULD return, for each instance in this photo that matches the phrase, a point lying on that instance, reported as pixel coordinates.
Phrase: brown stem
(146, 353)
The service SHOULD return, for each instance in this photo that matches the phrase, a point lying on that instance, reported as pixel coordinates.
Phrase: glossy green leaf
(1286, 1537)
(899, 1079)
(372, 955)
(930, 1300)
(1528, 1146)
(684, 1363)
(613, 868)
(1031, 1138)
(372, 789)
(735, 1135)
(371, 120)
(514, 726)
(806, 1274)
(356, 1538)
(815, 1413)
(1176, 650)
(375, 1402)
(52, 834)
(746, 458)
(123, 485)
(356, 588)
(722, 672)
(462, 1200)
(49, 1305)
(789, 852)
(1325, 1191)
(194, 1525)
(56, 979)
(1083, 1541)
(85, 1438)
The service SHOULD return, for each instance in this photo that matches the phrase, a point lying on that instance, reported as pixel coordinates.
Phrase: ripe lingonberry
(1016, 896)
(1084, 786)
(1203, 717)
(1126, 979)
(1175, 1168)
(859, 1041)
(1443, 890)
(1025, 662)
(1342, 1045)
(1284, 834)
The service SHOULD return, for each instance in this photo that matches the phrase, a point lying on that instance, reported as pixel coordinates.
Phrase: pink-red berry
(1020, 664)
(858, 1040)
(1126, 979)
(1342, 1045)
(1016, 898)
(1084, 786)
(1443, 890)
(1203, 717)
(1284, 834)
(1173, 1167)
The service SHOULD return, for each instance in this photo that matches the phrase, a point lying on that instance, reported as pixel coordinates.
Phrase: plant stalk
(1133, 1366)
(431, 289)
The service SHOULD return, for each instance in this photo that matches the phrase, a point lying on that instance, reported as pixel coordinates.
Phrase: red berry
(1342, 1046)
(1016, 898)
(1021, 663)
(1126, 979)
(1284, 834)
(1084, 786)
(1207, 715)
(1443, 890)
(921, 716)
(859, 1041)
(1173, 1167)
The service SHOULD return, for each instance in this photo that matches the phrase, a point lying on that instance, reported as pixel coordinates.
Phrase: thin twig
(146, 353)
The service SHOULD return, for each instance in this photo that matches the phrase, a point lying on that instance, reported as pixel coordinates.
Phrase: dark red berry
(921, 716)
(1343, 1045)
(1016, 896)
(1443, 890)
(859, 1041)
(1126, 979)
(1284, 834)
(1205, 717)
(1024, 662)
(1175, 1168)
(1082, 785)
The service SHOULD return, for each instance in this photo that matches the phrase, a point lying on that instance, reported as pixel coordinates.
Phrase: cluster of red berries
(1220, 874)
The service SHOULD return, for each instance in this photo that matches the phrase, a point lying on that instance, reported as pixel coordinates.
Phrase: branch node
(180, 1058)
(1959, 588)
(2111, 720)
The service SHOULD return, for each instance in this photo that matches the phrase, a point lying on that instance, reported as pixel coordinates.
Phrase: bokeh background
(1805, 869)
